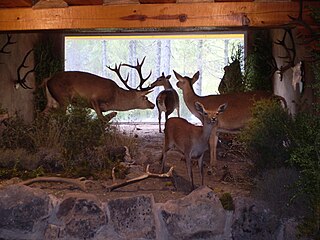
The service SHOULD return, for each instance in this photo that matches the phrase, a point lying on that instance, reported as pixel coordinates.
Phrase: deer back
(181, 134)
(239, 104)
(65, 86)
(167, 100)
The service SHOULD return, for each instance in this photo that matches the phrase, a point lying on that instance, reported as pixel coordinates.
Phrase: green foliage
(274, 140)
(47, 64)
(258, 64)
(18, 163)
(73, 144)
(15, 135)
(265, 136)
(227, 201)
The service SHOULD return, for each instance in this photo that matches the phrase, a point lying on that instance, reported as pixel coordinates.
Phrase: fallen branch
(144, 176)
(79, 182)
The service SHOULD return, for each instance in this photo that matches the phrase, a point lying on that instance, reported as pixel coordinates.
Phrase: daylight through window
(186, 54)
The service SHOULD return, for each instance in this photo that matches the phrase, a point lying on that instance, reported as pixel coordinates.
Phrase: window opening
(186, 54)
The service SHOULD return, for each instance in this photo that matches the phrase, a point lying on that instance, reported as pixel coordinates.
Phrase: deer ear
(168, 77)
(195, 77)
(199, 107)
(178, 76)
(222, 108)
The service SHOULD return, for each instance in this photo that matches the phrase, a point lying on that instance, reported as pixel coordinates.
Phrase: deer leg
(189, 169)
(159, 118)
(200, 162)
(164, 157)
(167, 115)
(97, 109)
(213, 150)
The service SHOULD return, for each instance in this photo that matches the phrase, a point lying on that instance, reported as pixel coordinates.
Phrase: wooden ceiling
(58, 3)
(25, 15)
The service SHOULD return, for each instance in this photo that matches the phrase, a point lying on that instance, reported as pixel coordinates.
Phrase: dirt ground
(232, 173)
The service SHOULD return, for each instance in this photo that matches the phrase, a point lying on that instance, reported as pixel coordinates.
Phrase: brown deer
(192, 141)
(167, 100)
(237, 116)
(102, 94)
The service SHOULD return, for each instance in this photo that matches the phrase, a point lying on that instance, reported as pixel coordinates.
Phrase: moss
(227, 201)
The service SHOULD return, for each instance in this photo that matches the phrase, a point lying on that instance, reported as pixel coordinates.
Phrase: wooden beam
(235, 14)
(16, 3)
(156, 1)
(84, 2)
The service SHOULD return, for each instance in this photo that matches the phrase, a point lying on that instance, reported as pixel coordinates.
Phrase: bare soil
(232, 171)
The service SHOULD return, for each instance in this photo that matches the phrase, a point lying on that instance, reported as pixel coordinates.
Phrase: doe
(192, 141)
(167, 100)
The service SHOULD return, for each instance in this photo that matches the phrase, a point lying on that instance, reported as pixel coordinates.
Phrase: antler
(2, 50)
(116, 69)
(138, 67)
(313, 35)
(290, 52)
(22, 82)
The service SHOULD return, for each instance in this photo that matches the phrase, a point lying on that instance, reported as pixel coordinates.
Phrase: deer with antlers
(192, 141)
(167, 100)
(101, 94)
(234, 119)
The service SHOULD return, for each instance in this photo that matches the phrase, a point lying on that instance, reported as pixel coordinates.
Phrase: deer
(190, 140)
(167, 100)
(233, 120)
(101, 94)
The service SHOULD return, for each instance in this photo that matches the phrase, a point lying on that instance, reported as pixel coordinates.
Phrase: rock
(24, 212)
(80, 215)
(199, 215)
(133, 218)
(253, 220)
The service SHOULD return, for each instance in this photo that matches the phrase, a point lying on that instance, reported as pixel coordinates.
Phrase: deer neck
(190, 97)
(206, 131)
(167, 86)
(125, 99)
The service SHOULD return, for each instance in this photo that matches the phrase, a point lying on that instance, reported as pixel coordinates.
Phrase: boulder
(79, 216)
(253, 220)
(199, 215)
(24, 212)
(133, 217)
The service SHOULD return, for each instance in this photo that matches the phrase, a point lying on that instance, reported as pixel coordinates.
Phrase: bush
(274, 139)
(265, 137)
(73, 144)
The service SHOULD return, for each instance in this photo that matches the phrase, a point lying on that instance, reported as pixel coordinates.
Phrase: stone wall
(30, 213)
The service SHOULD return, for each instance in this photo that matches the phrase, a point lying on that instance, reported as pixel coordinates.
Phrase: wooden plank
(15, 3)
(156, 1)
(84, 2)
(236, 14)
(42, 4)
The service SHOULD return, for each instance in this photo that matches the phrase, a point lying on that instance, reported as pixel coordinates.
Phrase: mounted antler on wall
(22, 81)
(9, 42)
(290, 53)
(312, 34)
